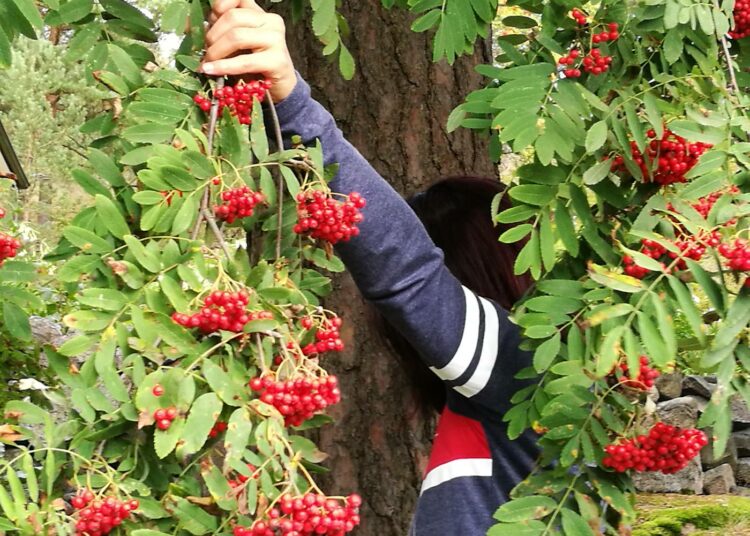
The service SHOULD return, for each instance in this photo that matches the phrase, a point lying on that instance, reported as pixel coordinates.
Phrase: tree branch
(212, 121)
(280, 178)
(733, 85)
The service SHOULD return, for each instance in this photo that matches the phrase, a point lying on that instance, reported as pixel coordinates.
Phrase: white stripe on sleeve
(466, 348)
(456, 469)
(481, 376)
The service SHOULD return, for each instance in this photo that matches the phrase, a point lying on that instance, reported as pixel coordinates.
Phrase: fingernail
(207, 68)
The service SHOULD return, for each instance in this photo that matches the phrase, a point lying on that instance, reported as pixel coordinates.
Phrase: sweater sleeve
(465, 339)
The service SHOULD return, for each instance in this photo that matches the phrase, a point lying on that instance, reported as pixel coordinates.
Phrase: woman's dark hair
(457, 215)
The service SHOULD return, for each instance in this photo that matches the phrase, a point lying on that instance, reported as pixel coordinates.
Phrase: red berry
(158, 390)
(163, 424)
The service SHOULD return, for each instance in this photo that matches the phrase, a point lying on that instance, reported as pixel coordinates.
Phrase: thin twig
(280, 178)
(212, 121)
(734, 86)
(216, 231)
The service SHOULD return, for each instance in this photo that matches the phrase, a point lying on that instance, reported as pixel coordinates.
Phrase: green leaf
(123, 10)
(6, 56)
(426, 21)
(596, 136)
(708, 284)
(87, 320)
(104, 362)
(597, 173)
(258, 135)
(221, 383)
(125, 65)
(30, 11)
(89, 183)
(32, 485)
(200, 420)
(86, 241)
(71, 11)
(609, 351)
(148, 133)
(525, 508)
(165, 441)
(652, 339)
(111, 216)
(346, 63)
(146, 258)
(533, 194)
(186, 215)
(238, 433)
(16, 321)
(528, 528)
(105, 167)
(573, 523)
(76, 345)
(547, 352)
(103, 298)
(516, 233)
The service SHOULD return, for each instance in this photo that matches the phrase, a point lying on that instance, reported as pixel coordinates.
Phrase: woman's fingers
(240, 40)
(236, 18)
(220, 7)
(258, 63)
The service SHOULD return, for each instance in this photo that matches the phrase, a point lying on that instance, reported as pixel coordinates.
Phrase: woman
(466, 339)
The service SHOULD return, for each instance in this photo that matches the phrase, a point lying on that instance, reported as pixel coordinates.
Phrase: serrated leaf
(111, 216)
(203, 414)
(596, 136)
(525, 508)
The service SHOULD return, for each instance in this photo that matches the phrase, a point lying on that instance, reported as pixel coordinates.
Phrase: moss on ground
(677, 515)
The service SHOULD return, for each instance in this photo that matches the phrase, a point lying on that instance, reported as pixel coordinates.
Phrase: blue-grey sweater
(465, 339)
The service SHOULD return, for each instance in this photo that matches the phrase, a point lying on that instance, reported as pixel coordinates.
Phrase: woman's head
(457, 214)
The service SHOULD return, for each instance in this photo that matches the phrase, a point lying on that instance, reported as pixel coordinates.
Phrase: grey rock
(669, 385)
(740, 411)
(742, 471)
(719, 480)
(689, 480)
(729, 456)
(742, 440)
(47, 330)
(741, 491)
(682, 411)
(698, 385)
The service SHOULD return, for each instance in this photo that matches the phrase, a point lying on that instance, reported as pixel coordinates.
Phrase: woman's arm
(468, 341)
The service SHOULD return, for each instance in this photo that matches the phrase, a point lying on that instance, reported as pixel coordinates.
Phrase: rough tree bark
(394, 112)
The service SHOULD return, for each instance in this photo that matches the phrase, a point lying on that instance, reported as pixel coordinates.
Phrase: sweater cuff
(293, 105)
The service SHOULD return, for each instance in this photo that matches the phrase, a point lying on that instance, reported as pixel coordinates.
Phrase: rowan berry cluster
(322, 217)
(704, 205)
(238, 99)
(737, 254)
(220, 311)
(579, 17)
(327, 338)
(164, 417)
(238, 203)
(594, 63)
(217, 428)
(298, 399)
(646, 375)
(307, 515)
(691, 247)
(741, 19)
(672, 157)
(666, 449)
(97, 517)
(8, 247)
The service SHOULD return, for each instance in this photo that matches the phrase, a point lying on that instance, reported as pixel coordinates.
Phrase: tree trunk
(394, 112)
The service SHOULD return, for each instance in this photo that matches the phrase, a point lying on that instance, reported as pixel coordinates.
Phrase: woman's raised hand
(245, 40)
